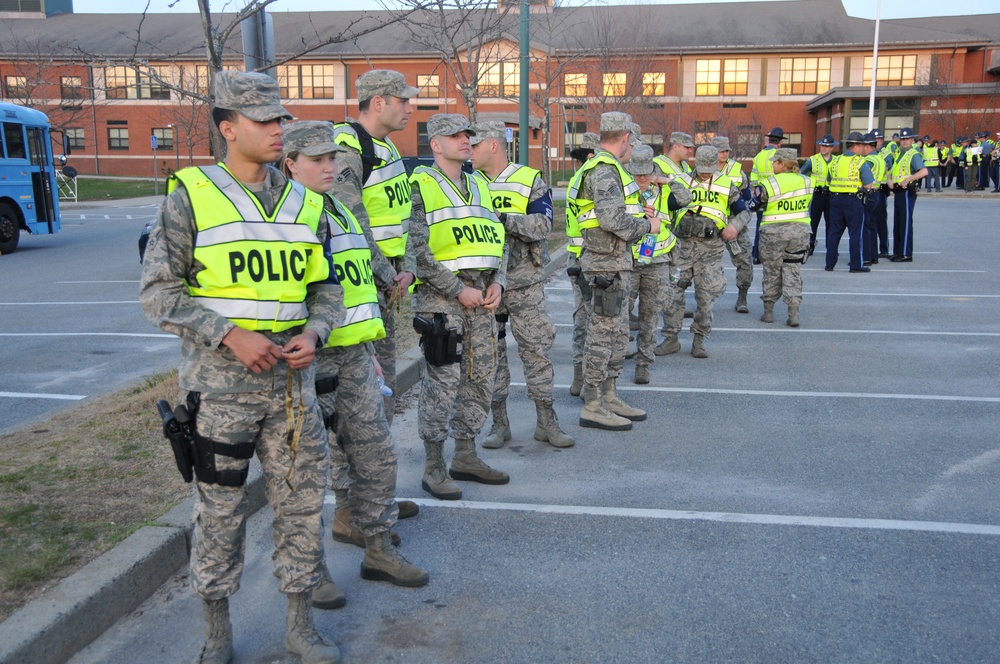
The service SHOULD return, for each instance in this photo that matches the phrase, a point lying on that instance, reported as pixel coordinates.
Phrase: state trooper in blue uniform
(905, 173)
(820, 205)
(850, 179)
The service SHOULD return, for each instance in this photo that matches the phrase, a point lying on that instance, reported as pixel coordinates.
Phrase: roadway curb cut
(84, 605)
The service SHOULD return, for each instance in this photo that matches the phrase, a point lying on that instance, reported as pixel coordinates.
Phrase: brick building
(734, 68)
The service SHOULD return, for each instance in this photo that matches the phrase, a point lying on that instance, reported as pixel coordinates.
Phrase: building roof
(797, 25)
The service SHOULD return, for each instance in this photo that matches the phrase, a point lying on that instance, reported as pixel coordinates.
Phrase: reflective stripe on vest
(665, 239)
(511, 191)
(667, 166)
(819, 170)
(879, 171)
(930, 156)
(845, 173)
(575, 244)
(901, 169)
(762, 167)
(256, 266)
(352, 259)
(734, 170)
(385, 194)
(709, 198)
(464, 234)
(788, 197)
(583, 208)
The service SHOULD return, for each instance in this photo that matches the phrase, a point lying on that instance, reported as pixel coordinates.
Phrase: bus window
(36, 146)
(14, 139)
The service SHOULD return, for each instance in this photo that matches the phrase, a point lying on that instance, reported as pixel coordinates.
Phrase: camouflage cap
(310, 137)
(488, 129)
(642, 160)
(616, 121)
(590, 141)
(448, 124)
(680, 138)
(706, 159)
(635, 132)
(785, 154)
(383, 83)
(251, 94)
(721, 143)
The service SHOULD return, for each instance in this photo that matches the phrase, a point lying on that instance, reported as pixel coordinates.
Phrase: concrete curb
(84, 605)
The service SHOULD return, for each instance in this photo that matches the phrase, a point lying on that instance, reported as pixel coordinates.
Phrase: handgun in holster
(575, 272)
(441, 344)
(608, 295)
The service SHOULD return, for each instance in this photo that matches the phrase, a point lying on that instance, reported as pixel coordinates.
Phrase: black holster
(442, 345)
(501, 325)
(576, 273)
(608, 295)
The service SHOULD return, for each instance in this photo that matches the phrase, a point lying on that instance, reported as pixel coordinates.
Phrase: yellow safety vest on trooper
(511, 191)
(879, 171)
(761, 166)
(845, 173)
(819, 169)
(788, 198)
(573, 233)
(465, 234)
(352, 260)
(665, 239)
(385, 193)
(901, 169)
(931, 156)
(583, 208)
(257, 266)
(708, 199)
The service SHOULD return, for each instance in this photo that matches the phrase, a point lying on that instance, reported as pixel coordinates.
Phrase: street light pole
(177, 148)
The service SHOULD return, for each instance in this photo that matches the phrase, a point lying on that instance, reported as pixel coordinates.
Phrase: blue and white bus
(29, 195)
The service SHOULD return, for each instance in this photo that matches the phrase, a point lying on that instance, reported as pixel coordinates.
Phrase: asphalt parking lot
(820, 494)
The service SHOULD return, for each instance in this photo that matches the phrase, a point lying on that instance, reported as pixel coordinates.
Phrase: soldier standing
(346, 381)
(760, 169)
(521, 199)
(589, 144)
(246, 357)
(680, 148)
(716, 214)
(743, 247)
(818, 168)
(606, 202)
(461, 257)
(784, 238)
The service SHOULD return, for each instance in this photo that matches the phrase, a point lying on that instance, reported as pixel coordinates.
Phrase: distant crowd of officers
(285, 286)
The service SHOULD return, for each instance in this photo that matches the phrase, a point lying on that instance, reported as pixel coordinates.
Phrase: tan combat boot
(669, 346)
(609, 393)
(383, 563)
(641, 374)
(436, 481)
(793, 315)
(597, 415)
(698, 346)
(547, 427)
(467, 465)
(577, 384)
(302, 639)
(741, 301)
(407, 509)
(218, 646)
(327, 595)
(768, 316)
(500, 432)
(344, 531)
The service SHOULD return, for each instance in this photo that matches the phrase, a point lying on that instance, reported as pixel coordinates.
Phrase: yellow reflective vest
(668, 167)
(573, 233)
(511, 191)
(819, 170)
(879, 170)
(845, 173)
(352, 260)
(762, 166)
(901, 169)
(465, 233)
(257, 266)
(583, 208)
(709, 198)
(385, 194)
(665, 239)
(788, 198)
(930, 155)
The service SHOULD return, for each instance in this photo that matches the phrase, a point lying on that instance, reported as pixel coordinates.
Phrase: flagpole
(871, 97)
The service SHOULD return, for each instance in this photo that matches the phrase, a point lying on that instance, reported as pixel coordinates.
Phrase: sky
(860, 8)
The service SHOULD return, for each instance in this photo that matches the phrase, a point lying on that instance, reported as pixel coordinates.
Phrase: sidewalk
(81, 607)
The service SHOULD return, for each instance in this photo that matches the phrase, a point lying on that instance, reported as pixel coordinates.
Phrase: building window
(288, 82)
(575, 85)
(574, 133)
(317, 81)
(804, 76)
(71, 87)
(429, 86)
(654, 84)
(127, 83)
(725, 77)
(423, 141)
(201, 79)
(15, 87)
(614, 84)
(893, 70)
(499, 79)
(705, 131)
(117, 135)
(75, 138)
(164, 138)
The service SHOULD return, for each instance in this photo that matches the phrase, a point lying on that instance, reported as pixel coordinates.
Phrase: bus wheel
(10, 231)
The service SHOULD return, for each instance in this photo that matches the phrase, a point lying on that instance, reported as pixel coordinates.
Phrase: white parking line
(801, 330)
(31, 395)
(124, 281)
(723, 517)
(89, 334)
(846, 293)
(49, 304)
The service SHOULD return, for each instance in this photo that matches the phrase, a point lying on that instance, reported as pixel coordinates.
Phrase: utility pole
(522, 153)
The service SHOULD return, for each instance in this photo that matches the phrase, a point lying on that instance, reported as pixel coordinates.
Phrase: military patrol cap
(828, 141)
(383, 83)
(855, 137)
(680, 138)
(777, 132)
(590, 141)
(448, 124)
(869, 138)
(636, 133)
(310, 137)
(251, 94)
(488, 129)
(721, 143)
(907, 132)
(616, 121)
(706, 159)
(785, 154)
(642, 160)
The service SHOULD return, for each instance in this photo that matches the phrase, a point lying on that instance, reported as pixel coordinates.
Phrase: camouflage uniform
(743, 261)
(239, 406)
(581, 305)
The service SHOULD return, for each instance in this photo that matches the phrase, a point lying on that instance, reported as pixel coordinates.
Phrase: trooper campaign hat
(907, 132)
(828, 141)
(777, 132)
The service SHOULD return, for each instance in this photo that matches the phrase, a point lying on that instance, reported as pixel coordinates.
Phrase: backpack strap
(368, 158)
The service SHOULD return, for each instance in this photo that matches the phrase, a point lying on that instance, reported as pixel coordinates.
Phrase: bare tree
(949, 101)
